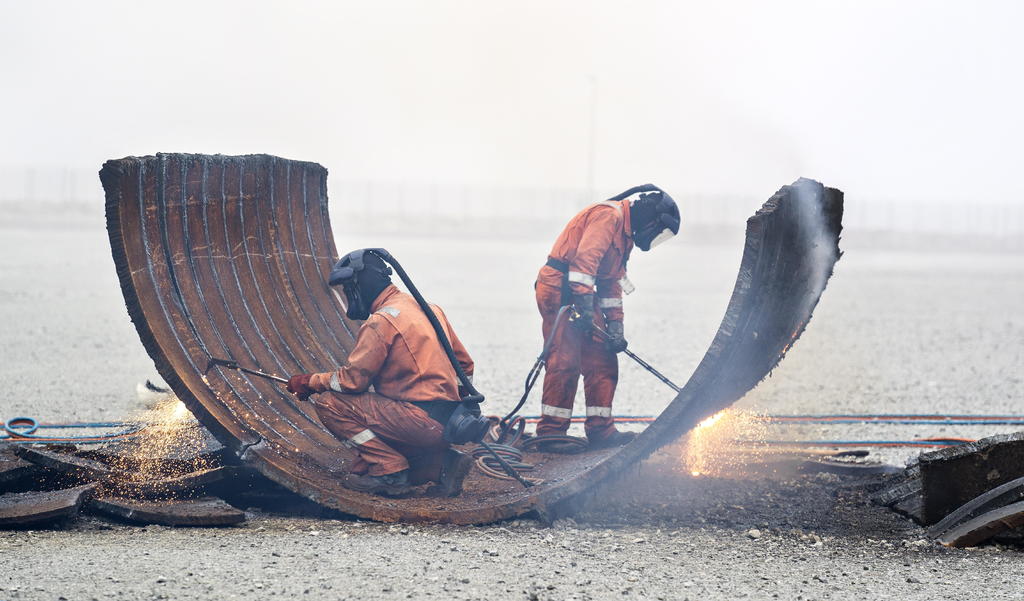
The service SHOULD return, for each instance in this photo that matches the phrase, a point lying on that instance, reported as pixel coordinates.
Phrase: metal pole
(592, 139)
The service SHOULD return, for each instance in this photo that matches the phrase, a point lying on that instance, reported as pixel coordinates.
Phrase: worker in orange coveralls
(587, 269)
(396, 429)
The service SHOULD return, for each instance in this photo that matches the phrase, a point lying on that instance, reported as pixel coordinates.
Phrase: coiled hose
(23, 430)
(512, 456)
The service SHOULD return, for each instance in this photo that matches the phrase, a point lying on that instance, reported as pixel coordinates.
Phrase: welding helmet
(653, 215)
(363, 275)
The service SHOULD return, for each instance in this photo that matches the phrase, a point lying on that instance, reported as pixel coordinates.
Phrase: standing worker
(397, 430)
(587, 269)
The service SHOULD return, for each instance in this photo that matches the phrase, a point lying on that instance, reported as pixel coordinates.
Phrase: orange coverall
(398, 353)
(594, 246)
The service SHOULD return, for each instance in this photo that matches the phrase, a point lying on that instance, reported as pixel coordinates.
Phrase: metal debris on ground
(154, 477)
(968, 494)
(35, 508)
(15, 470)
(951, 477)
(204, 511)
(77, 468)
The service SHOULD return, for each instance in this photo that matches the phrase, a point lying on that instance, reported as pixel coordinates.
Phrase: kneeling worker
(397, 428)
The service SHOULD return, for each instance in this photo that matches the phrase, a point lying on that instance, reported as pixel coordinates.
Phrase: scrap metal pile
(166, 473)
(966, 494)
(227, 257)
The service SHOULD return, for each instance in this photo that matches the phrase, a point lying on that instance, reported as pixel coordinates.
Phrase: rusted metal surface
(206, 511)
(228, 256)
(22, 510)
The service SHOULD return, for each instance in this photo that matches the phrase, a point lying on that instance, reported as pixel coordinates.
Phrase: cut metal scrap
(85, 469)
(23, 510)
(206, 511)
(1006, 494)
(177, 486)
(984, 527)
(13, 469)
(228, 256)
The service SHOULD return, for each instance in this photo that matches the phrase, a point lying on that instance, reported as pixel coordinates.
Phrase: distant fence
(49, 185)
(435, 203)
(438, 203)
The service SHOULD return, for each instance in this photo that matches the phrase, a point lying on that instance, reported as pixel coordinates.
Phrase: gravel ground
(897, 331)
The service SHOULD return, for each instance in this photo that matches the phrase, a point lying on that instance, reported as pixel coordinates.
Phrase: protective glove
(616, 341)
(299, 386)
(584, 304)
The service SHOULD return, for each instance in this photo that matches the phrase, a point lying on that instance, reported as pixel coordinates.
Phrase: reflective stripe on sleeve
(599, 411)
(627, 286)
(578, 277)
(393, 312)
(555, 411)
(363, 437)
(609, 303)
(335, 383)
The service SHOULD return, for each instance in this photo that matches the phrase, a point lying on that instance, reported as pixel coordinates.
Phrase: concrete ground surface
(910, 330)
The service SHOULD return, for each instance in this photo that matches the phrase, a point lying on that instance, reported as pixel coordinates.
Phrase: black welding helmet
(363, 275)
(654, 217)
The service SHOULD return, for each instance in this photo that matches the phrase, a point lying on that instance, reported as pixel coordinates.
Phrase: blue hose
(23, 430)
(14, 425)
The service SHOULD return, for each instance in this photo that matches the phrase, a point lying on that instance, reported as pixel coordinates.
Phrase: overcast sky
(893, 100)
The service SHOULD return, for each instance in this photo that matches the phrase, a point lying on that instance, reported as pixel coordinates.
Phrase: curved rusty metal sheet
(984, 527)
(227, 257)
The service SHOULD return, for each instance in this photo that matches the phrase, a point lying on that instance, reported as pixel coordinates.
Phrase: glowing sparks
(707, 423)
(170, 445)
(180, 412)
(710, 449)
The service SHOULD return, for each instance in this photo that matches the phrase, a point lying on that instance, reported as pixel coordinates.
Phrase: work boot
(562, 444)
(388, 485)
(455, 467)
(615, 439)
